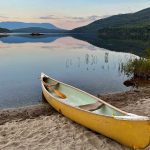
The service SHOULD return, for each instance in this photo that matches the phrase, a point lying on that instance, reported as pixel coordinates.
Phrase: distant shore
(41, 127)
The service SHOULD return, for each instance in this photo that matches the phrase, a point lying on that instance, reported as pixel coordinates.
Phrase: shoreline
(27, 112)
(41, 127)
(134, 101)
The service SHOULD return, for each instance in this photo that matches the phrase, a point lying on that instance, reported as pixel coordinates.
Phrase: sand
(42, 128)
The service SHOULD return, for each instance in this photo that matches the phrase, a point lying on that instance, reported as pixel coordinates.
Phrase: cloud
(93, 18)
(70, 22)
(3, 17)
(69, 18)
(50, 17)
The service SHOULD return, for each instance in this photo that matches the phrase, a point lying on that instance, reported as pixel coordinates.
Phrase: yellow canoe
(126, 128)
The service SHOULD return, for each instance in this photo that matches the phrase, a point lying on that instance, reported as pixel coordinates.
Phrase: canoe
(87, 110)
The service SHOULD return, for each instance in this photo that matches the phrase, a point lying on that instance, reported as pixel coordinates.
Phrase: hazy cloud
(3, 17)
(84, 19)
(72, 19)
(50, 17)
(70, 22)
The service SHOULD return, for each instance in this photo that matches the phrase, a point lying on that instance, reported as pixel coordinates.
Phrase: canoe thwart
(91, 107)
(49, 85)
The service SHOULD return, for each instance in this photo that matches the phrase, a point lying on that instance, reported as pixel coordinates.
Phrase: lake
(74, 61)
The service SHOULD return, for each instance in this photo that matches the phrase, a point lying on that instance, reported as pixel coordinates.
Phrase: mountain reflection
(131, 46)
(76, 62)
(24, 38)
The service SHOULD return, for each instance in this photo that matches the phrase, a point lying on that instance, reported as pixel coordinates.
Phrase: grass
(139, 68)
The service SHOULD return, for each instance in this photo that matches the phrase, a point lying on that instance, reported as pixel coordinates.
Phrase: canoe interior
(78, 98)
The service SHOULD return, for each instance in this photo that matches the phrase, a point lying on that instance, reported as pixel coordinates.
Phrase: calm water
(23, 58)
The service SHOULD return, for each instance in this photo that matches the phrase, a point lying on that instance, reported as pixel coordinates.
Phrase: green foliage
(138, 67)
(137, 33)
(147, 53)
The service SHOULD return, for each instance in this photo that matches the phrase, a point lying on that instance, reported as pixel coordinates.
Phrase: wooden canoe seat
(92, 107)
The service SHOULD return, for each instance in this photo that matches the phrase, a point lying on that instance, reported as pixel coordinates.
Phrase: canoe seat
(91, 107)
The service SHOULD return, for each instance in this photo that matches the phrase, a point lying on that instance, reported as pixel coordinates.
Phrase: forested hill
(132, 20)
(136, 32)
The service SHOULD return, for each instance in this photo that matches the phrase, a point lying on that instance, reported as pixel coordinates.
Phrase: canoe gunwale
(129, 116)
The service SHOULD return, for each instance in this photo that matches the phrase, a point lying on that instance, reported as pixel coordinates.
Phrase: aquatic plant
(147, 53)
(139, 68)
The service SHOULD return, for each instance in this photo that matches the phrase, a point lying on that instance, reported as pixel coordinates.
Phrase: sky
(66, 14)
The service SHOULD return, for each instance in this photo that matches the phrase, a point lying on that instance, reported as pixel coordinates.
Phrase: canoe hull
(135, 134)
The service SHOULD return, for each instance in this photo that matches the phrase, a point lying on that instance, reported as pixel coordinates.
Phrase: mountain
(37, 30)
(3, 30)
(18, 25)
(134, 32)
(138, 19)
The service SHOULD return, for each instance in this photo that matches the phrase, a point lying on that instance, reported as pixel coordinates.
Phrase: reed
(139, 68)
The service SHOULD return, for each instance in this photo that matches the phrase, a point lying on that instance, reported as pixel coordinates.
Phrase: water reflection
(98, 62)
(130, 45)
(90, 68)
(26, 38)
(106, 57)
(88, 61)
